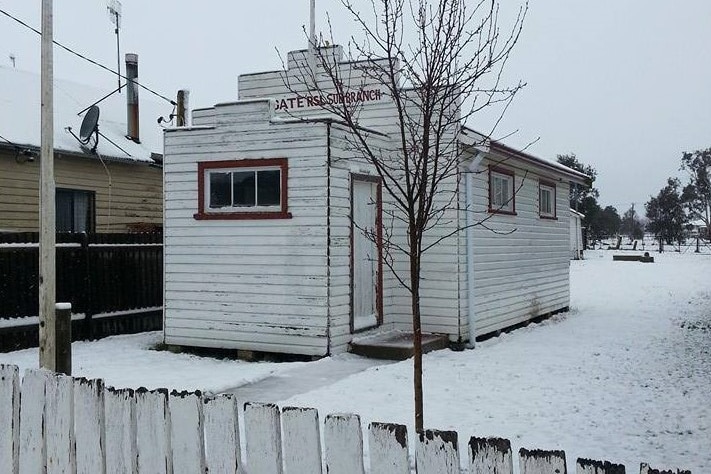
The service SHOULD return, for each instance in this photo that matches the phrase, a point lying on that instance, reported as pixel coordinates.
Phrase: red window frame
(548, 184)
(205, 166)
(512, 175)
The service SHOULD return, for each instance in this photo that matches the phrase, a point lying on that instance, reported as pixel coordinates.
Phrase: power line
(86, 58)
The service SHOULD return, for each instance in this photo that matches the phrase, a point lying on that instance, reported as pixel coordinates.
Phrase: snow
(20, 116)
(625, 376)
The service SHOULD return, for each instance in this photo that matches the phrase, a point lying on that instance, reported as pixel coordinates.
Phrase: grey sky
(625, 84)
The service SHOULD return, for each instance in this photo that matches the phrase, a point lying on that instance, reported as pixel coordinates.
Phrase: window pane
(243, 185)
(269, 188)
(64, 209)
(81, 211)
(220, 190)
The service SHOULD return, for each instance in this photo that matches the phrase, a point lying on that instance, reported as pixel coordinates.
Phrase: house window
(243, 189)
(74, 210)
(501, 191)
(546, 200)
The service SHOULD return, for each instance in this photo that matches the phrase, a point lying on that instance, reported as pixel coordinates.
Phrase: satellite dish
(90, 124)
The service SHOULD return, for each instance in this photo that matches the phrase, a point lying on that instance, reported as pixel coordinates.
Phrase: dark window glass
(74, 210)
(269, 188)
(220, 190)
(243, 185)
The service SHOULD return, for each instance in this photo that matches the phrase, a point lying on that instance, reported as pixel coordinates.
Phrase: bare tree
(440, 63)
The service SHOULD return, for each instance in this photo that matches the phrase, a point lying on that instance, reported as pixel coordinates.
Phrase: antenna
(12, 59)
(114, 10)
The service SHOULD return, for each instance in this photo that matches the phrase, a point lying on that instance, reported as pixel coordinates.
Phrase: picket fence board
(490, 456)
(437, 452)
(9, 418)
(153, 432)
(262, 429)
(89, 426)
(120, 421)
(387, 443)
(222, 447)
(301, 440)
(55, 424)
(59, 424)
(343, 441)
(538, 461)
(186, 433)
(32, 446)
(644, 468)
(590, 466)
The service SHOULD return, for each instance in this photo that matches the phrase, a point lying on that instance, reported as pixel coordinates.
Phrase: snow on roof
(20, 117)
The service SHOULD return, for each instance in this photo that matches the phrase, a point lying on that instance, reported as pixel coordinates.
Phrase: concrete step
(395, 345)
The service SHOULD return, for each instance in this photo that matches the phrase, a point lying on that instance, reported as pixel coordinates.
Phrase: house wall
(521, 265)
(576, 237)
(442, 265)
(134, 197)
(248, 284)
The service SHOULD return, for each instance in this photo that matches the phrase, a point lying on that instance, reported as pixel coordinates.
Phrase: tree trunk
(416, 331)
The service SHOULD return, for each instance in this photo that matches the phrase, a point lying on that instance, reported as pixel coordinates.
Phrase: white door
(365, 254)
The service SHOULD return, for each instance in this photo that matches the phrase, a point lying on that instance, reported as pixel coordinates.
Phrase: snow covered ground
(624, 376)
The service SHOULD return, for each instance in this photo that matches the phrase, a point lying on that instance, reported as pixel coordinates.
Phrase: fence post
(186, 432)
(59, 424)
(120, 414)
(490, 456)
(388, 448)
(222, 449)
(9, 418)
(301, 440)
(537, 461)
(33, 450)
(645, 469)
(89, 427)
(343, 440)
(153, 431)
(589, 466)
(437, 452)
(63, 334)
(262, 430)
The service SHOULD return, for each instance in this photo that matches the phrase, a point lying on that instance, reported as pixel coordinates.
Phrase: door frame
(378, 244)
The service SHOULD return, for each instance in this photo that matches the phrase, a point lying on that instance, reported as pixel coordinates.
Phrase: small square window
(546, 200)
(74, 210)
(244, 189)
(501, 191)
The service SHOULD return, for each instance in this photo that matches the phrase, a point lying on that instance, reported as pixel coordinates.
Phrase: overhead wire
(96, 63)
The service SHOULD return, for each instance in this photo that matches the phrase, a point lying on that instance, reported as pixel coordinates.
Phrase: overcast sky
(624, 84)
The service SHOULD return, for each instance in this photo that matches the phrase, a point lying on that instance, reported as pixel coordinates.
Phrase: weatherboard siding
(247, 284)
(523, 271)
(134, 197)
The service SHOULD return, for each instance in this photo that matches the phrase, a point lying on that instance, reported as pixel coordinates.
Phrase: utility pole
(47, 243)
(312, 40)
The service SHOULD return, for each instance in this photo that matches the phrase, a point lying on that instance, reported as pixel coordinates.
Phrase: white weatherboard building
(264, 206)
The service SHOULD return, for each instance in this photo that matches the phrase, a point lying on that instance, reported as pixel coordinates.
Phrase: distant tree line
(676, 210)
(670, 213)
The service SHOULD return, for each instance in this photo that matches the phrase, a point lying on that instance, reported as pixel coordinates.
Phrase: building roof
(20, 117)
(501, 149)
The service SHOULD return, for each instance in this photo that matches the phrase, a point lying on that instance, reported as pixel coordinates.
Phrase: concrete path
(304, 378)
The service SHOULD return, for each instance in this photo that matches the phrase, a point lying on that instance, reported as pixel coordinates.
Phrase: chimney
(132, 97)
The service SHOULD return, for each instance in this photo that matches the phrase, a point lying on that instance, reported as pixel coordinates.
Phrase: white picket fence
(52, 423)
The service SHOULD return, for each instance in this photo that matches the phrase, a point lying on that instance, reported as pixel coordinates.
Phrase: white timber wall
(58, 424)
(247, 284)
(443, 266)
(522, 271)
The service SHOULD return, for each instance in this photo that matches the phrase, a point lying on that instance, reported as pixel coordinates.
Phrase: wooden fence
(98, 274)
(57, 424)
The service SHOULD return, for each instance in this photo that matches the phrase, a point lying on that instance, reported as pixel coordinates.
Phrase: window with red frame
(243, 189)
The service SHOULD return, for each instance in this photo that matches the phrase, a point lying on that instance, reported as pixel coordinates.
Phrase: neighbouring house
(116, 188)
(266, 211)
(577, 246)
